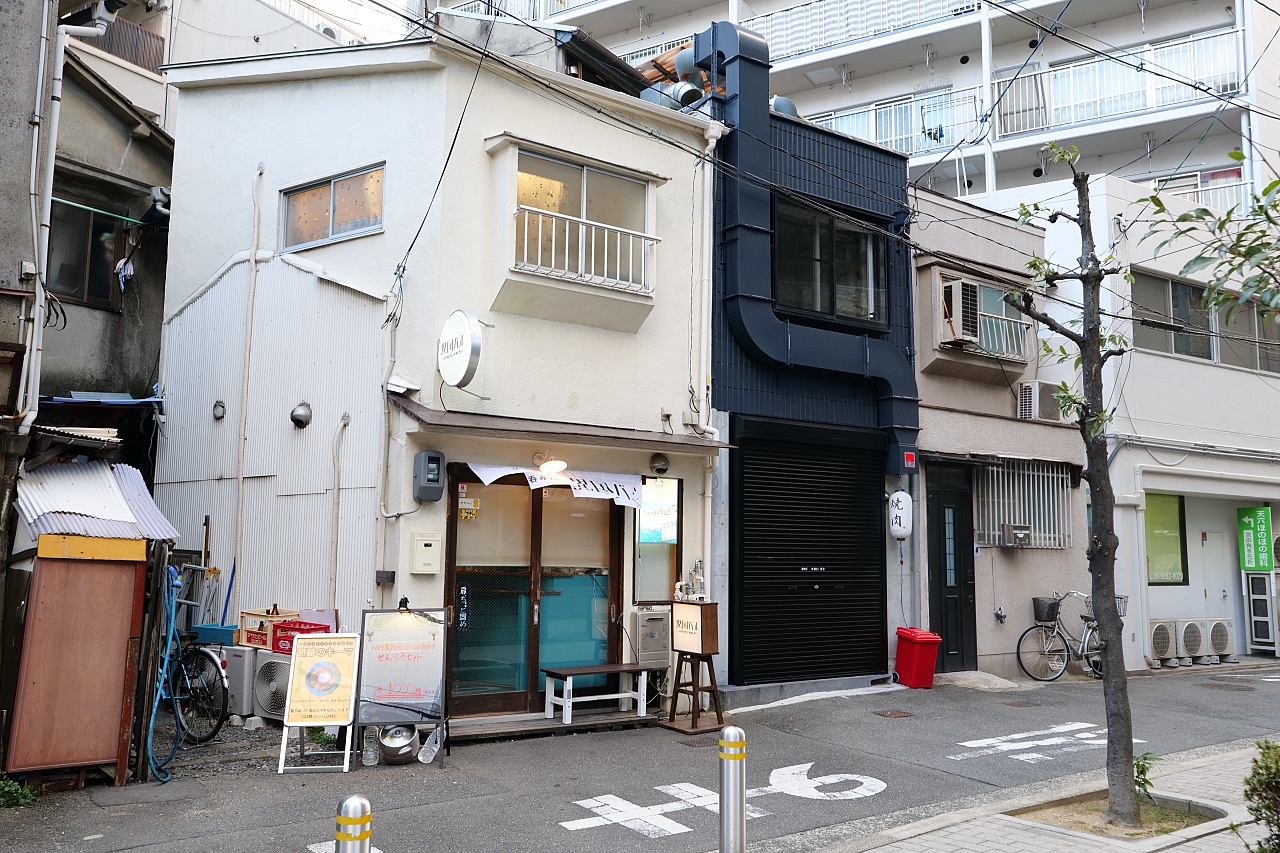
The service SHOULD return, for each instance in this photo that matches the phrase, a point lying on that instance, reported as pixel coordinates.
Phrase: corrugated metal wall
(313, 341)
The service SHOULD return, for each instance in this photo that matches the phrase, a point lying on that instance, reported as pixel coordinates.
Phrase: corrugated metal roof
(63, 499)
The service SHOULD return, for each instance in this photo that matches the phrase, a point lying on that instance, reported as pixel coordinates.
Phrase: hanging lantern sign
(900, 515)
(458, 353)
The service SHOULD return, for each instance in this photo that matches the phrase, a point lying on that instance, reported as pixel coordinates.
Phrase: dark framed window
(83, 249)
(828, 268)
(659, 540)
(1166, 529)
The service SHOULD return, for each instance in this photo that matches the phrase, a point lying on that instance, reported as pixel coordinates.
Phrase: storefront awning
(501, 427)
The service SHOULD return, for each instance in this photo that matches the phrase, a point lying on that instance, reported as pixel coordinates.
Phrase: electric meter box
(651, 633)
(428, 476)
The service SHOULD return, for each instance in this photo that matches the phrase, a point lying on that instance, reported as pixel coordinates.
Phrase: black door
(808, 565)
(951, 581)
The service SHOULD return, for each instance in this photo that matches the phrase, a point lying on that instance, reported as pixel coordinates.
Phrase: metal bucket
(398, 744)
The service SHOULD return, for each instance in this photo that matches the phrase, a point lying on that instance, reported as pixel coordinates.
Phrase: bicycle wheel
(200, 693)
(1042, 652)
(1093, 654)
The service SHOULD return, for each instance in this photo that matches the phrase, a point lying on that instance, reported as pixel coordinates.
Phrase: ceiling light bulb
(552, 465)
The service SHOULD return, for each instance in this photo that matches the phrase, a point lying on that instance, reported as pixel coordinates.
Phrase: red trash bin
(917, 657)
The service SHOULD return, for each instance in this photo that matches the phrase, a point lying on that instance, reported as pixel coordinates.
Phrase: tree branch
(1026, 305)
(1055, 277)
(1113, 353)
(1060, 214)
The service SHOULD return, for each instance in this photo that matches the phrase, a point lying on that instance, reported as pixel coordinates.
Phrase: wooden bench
(627, 683)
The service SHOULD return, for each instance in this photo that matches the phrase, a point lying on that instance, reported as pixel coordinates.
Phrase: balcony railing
(324, 25)
(1220, 197)
(581, 250)
(130, 42)
(635, 57)
(915, 125)
(1097, 89)
(825, 23)
(525, 10)
(1003, 336)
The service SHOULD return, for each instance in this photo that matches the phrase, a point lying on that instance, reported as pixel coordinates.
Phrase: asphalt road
(817, 771)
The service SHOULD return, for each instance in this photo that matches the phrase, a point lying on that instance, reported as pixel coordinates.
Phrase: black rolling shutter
(810, 570)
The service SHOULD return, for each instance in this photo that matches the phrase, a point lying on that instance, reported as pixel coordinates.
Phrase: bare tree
(1095, 346)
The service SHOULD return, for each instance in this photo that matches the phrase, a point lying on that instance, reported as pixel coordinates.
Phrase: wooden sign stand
(695, 637)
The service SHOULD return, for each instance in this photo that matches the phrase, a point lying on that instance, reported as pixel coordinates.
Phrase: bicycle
(1045, 649)
(191, 685)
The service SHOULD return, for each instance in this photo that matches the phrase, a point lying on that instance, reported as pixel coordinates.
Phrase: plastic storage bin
(917, 657)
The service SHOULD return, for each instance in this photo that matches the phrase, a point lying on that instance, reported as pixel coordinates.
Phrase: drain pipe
(246, 359)
(703, 426)
(337, 511)
(31, 397)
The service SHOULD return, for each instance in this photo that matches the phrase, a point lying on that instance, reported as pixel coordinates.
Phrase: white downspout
(336, 516)
(37, 121)
(30, 404)
(988, 96)
(246, 360)
(704, 427)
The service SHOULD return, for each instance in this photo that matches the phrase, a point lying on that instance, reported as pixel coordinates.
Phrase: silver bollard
(733, 790)
(355, 825)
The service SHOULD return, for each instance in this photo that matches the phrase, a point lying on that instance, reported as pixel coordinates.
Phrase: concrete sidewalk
(1215, 780)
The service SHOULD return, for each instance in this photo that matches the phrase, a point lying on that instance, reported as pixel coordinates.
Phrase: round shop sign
(458, 354)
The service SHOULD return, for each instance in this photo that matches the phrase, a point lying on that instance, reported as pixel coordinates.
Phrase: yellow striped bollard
(733, 790)
(355, 825)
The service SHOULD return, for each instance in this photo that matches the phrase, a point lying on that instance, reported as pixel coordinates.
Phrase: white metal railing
(1100, 88)
(914, 125)
(1222, 197)
(525, 10)
(1024, 491)
(1003, 336)
(825, 23)
(567, 247)
(318, 22)
(635, 57)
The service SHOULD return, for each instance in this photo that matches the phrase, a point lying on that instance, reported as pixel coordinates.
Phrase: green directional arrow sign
(1255, 539)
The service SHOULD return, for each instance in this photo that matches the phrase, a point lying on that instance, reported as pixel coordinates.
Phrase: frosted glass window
(342, 206)
(494, 530)
(575, 531)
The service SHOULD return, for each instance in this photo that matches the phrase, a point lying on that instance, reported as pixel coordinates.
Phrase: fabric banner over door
(622, 489)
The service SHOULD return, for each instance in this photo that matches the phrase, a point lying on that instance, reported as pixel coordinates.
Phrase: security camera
(659, 464)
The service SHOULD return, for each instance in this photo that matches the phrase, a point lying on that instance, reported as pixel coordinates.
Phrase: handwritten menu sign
(402, 666)
(322, 680)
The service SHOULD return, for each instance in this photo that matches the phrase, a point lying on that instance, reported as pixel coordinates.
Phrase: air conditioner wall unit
(1222, 639)
(271, 684)
(1193, 641)
(1036, 401)
(959, 313)
(1163, 635)
(239, 663)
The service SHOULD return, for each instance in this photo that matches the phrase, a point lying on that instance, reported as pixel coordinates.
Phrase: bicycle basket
(1046, 609)
(1122, 604)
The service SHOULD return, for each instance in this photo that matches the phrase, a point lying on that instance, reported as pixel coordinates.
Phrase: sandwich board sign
(322, 688)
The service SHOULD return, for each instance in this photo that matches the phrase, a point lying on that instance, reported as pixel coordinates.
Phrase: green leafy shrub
(1262, 790)
(1142, 765)
(13, 794)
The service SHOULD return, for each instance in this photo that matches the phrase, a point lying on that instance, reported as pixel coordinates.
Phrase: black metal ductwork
(741, 59)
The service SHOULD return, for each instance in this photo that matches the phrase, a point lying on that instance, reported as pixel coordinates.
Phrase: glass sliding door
(574, 588)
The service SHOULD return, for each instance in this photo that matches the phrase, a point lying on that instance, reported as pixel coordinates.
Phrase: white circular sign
(458, 353)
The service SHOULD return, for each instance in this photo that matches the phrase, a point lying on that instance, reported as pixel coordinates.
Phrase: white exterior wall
(310, 117)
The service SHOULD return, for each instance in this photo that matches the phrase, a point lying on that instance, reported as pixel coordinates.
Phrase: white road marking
(328, 846)
(650, 821)
(1067, 736)
(827, 694)
(1065, 727)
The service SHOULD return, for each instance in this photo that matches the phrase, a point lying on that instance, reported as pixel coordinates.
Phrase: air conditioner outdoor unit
(1193, 640)
(238, 661)
(1036, 401)
(651, 633)
(271, 684)
(327, 31)
(1222, 640)
(1164, 641)
(959, 313)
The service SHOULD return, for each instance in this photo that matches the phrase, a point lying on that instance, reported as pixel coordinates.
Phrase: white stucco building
(339, 224)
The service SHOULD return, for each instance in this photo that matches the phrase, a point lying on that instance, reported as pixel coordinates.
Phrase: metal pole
(733, 790)
(355, 825)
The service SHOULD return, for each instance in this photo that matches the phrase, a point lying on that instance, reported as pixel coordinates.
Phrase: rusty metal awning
(495, 426)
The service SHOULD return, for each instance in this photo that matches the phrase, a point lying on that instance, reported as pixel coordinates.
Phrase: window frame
(330, 182)
(839, 321)
(113, 303)
(1182, 536)
(1001, 494)
(677, 564)
(946, 318)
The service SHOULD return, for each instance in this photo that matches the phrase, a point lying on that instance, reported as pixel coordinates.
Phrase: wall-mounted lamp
(548, 464)
(301, 415)
(219, 410)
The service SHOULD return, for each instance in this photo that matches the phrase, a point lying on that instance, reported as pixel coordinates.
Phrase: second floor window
(975, 316)
(1246, 340)
(582, 223)
(827, 267)
(336, 208)
(83, 250)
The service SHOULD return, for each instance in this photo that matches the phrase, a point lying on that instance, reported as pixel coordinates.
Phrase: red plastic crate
(917, 657)
(282, 633)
